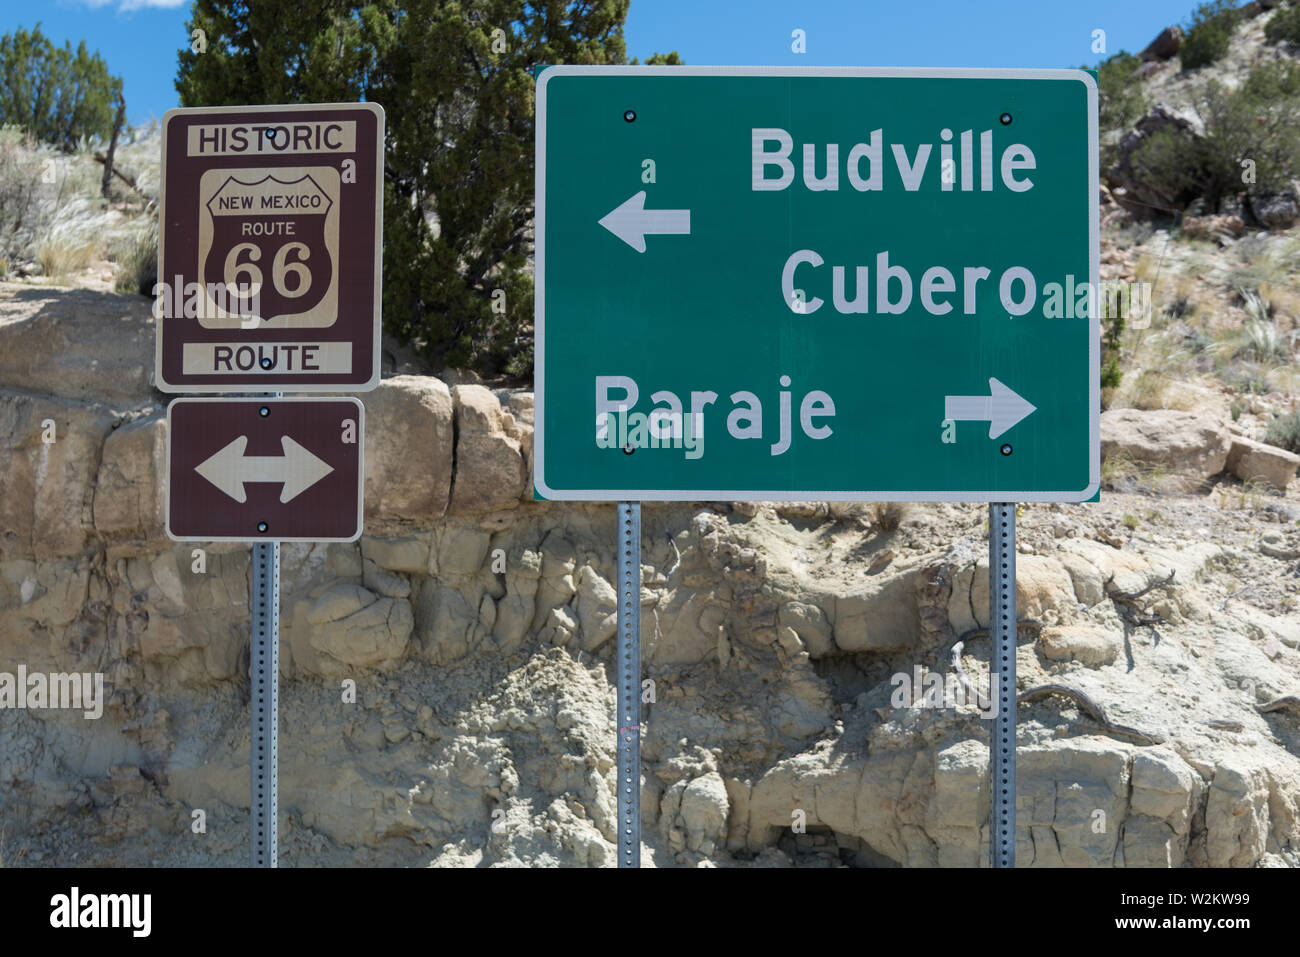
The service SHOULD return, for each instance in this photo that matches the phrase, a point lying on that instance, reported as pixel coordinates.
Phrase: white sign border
(273, 385)
(268, 400)
(710, 495)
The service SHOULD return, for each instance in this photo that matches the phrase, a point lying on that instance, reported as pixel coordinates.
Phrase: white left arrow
(1001, 408)
(632, 222)
(298, 469)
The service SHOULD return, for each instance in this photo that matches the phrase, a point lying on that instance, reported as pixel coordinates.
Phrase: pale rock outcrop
(49, 461)
(409, 449)
(1089, 645)
(129, 492)
(343, 628)
(1253, 461)
(78, 344)
(1180, 441)
(490, 471)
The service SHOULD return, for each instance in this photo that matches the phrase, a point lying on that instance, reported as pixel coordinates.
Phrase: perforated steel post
(629, 684)
(264, 704)
(1002, 635)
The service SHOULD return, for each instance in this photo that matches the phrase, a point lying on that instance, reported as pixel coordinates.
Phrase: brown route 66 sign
(270, 249)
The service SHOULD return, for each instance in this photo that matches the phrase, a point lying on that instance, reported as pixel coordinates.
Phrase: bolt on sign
(270, 249)
(806, 283)
(287, 470)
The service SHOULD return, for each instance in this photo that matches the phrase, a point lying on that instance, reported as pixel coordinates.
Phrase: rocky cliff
(476, 626)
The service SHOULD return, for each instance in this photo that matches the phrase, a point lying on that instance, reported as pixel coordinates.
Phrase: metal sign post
(628, 668)
(1002, 634)
(270, 267)
(264, 705)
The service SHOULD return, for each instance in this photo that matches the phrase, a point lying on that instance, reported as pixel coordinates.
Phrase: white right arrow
(298, 469)
(632, 222)
(1001, 408)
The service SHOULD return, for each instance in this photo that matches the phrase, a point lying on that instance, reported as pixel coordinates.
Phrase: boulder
(77, 344)
(1089, 645)
(343, 628)
(1278, 209)
(49, 460)
(597, 607)
(1165, 45)
(703, 813)
(1253, 461)
(1180, 441)
(1130, 188)
(409, 445)
(490, 472)
(129, 494)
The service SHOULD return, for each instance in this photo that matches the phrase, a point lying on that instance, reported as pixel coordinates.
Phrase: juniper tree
(456, 85)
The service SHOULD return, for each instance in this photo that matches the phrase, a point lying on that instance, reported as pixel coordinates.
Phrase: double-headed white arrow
(632, 222)
(1001, 408)
(298, 469)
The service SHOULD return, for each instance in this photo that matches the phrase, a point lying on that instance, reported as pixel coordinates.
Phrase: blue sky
(138, 38)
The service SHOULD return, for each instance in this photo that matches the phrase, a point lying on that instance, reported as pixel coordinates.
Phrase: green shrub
(1120, 101)
(1112, 332)
(1284, 431)
(1208, 36)
(59, 96)
(1252, 125)
(1285, 26)
(458, 165)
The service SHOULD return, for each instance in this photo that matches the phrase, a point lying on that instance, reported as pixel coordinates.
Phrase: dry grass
(52, 213)
(137, 263)
(1120, 473)
(887, 516)
(77, 237)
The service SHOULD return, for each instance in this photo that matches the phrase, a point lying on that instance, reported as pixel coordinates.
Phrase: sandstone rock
(878, 615)
(384, 583)
(1150, 843)
(1253, 461)
(47, 488)
(1179, 441)
(1072, 797)
(1165, 45)
(460, 550)
(960, 804)
(49, 592)
(1164, 787)
(408, 553)
(446, 620)
(409, 448)
(129, 495)
(1236, 816)
(811, 625)
(489, 463)
(1089, 645)
(198, 625)
(78, 344)
(1042, 586)
(344, 628)
(703, 814)
(597, 604)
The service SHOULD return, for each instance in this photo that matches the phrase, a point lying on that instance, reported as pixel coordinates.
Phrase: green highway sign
(803, 283)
